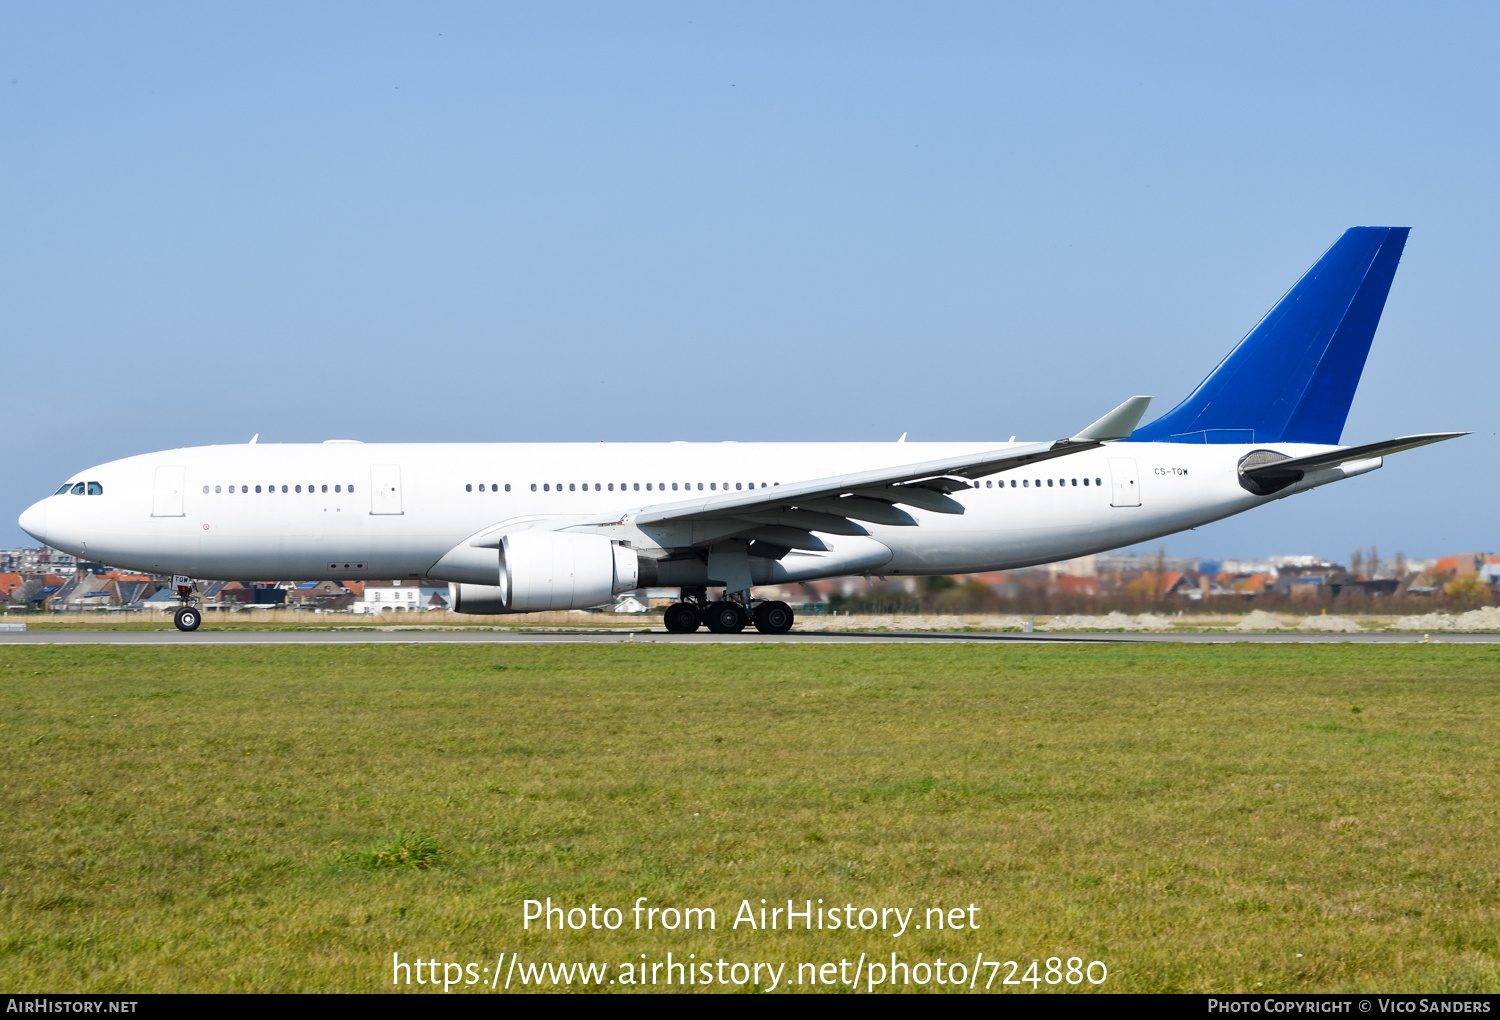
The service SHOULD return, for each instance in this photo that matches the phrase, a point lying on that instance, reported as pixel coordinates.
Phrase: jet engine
(542, 570)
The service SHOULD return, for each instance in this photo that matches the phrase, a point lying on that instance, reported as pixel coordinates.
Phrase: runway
(480, 637)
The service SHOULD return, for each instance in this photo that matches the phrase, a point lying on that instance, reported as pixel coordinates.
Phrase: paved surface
(488, 637)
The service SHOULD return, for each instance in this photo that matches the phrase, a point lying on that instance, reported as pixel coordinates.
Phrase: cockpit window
(65, 487)
(78, 489)
(95, 489)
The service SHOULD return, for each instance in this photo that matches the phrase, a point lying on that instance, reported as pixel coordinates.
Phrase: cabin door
(166, 496)
(1127, 487)
(385, 489)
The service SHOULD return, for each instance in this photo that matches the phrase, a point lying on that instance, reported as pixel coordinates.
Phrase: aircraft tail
(1292, 378)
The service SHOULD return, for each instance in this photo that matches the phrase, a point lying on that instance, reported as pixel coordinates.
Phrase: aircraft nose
(34, 521)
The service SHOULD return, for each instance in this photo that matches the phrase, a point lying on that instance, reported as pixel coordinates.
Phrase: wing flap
(862, 508)
(807, 520)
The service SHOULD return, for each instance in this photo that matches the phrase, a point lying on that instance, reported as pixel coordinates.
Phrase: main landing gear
(188, 616)
(729, 615)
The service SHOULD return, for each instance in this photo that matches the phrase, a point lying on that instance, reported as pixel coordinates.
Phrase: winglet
(1117, 424)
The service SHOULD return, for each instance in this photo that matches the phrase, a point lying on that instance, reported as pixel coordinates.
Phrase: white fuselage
(395, 510)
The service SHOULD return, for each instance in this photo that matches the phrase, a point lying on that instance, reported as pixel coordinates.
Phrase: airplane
(519, 528)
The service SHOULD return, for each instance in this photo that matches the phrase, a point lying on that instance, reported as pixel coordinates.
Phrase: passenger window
(468, 488)
(78, 489)
(481, 486)
(350, 488)
(648, 486)
(1085, 483)
(325, 488)
(1025, 483)
(571, 487)
(205, 488)
(674, 486)
(216, 489)
(736, 486)
(611, 486)
(257, 488)
(1098, 482)
(507, 486)
(700, 486)
(988, 484)
(637, 486)
(600, 488)
(283, 488)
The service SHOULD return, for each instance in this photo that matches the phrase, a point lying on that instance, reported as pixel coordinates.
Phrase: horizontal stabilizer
(1265, 471)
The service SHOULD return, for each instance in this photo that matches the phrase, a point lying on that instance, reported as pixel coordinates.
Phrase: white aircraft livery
(515, 528)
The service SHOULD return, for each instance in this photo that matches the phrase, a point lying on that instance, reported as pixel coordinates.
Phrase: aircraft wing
(786, 515)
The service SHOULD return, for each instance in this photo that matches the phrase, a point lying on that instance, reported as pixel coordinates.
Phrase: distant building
(1467, 563)
(1082, 566)
(390, 596)
(37, 560)
(1130, 563)
(320, 595)
(1074, 584)
(1303, 562)
(1234, 567)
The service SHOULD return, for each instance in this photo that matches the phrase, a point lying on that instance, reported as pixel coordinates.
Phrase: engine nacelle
(542, 570)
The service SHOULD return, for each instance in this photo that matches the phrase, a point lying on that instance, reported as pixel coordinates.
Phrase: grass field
(1272, 818)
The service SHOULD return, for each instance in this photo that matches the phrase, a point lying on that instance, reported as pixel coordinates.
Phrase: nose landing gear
(188, 616)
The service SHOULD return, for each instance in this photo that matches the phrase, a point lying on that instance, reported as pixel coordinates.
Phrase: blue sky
(754, 222)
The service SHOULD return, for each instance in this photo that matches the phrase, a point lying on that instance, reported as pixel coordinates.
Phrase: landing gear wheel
(726, 617)
(681, 618)
(773, 617)
(187, 618)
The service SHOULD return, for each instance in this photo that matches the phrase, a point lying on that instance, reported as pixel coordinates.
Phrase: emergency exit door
(385, 489)
(1127, 487)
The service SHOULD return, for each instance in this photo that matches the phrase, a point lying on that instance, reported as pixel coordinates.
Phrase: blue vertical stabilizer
(1292, 379)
